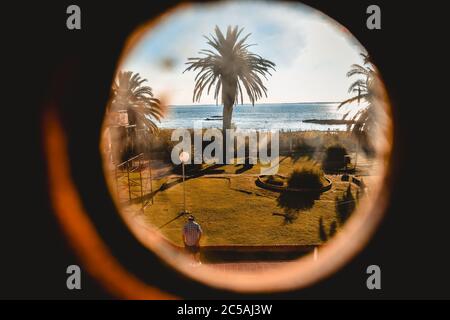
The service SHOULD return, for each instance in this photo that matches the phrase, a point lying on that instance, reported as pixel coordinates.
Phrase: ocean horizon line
(264, 103)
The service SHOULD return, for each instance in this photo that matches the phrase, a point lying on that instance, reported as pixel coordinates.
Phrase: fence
(133, 179)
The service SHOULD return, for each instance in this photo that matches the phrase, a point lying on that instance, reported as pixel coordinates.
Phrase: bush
(345, 205)
(335, 157)
(307, 174)
(333, 229)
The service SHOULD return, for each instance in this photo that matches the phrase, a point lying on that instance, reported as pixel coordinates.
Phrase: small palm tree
(364, 89)
(130, 95)
(230, 68)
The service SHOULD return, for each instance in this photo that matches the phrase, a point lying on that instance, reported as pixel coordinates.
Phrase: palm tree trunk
(228, 94)
(131, 130)
(227, 114)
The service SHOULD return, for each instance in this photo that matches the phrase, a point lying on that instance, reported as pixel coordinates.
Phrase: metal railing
(133, 179)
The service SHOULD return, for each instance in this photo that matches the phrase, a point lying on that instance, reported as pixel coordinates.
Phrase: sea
(280, 116)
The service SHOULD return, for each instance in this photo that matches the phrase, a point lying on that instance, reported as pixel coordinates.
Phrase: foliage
(322, 232)
(345, 205)
(364, 89)
(335, 157)
(306, 174)
(129, 94)
(229, 66)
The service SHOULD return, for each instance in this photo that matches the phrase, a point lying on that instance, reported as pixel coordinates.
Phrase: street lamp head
(184, 157)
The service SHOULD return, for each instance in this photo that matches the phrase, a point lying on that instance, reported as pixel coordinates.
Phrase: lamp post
(184, 158)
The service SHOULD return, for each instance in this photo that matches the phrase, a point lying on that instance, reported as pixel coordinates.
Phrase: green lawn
(234, 211)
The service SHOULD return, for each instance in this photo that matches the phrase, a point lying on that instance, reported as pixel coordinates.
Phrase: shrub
(345, 205)
(335, 157)
(333, 229)
(303, 149)
(306, 174)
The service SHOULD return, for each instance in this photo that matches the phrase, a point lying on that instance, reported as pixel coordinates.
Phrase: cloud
(311, 53)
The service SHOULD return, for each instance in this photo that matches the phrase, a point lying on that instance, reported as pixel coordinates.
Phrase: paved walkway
(249, 266)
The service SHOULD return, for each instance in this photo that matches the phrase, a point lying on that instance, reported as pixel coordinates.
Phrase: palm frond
(129, 94)
(229, 60)
(362, 120)
(352, 99)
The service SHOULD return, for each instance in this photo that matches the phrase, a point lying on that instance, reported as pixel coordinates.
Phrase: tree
(130, 95)
(365, 89)
(345, 205)
(229, 68)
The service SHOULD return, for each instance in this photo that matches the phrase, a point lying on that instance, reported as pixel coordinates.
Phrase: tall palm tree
(365, 90)
(130, 95)
(230, 67)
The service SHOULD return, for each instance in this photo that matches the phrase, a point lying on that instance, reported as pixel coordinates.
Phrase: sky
(312, 52)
